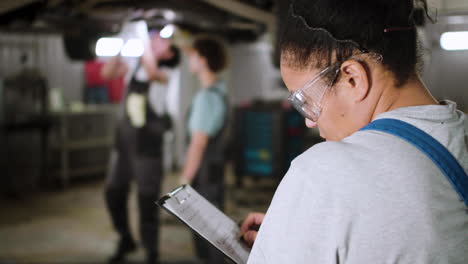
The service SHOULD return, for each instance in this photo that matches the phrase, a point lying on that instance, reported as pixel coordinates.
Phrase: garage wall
(446, 71)
(253, 75)
(449, 6)
(447, 76)
(45, 52)
(455, 5)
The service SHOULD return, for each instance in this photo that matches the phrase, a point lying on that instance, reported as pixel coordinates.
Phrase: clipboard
(207, 221)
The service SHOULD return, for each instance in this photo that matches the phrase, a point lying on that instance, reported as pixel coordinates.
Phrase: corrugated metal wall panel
(45, 52)
(456, 5)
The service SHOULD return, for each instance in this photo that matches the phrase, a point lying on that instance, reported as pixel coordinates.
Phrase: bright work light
(167, 31)
(454, 40)
(108, 47)
(133, 48)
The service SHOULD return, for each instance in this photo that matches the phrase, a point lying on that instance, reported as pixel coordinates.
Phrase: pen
(255, 228)
(251, 228)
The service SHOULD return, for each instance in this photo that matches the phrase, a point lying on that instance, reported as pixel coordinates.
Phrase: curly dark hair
(213, 51)
(320, 33)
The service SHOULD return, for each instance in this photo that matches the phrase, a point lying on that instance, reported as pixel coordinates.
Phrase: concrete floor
(72, 226)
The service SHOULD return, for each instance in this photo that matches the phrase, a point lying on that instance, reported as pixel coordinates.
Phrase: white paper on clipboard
(206, 220)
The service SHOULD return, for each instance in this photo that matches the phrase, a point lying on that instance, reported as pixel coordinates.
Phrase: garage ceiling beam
(88, 5)
(54, 3)
(244, 10)
(10, 5)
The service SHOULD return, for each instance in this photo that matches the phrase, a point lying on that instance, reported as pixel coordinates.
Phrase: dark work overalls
(138, 156)
(209, 182)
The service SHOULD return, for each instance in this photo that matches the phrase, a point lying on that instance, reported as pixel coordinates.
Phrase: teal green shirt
(208, 110)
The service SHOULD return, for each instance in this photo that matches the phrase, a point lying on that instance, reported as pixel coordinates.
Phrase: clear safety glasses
(307, 100)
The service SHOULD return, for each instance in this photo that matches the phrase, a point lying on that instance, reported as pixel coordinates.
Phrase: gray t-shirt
(371, 198)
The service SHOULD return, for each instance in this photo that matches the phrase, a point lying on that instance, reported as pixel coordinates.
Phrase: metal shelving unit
(81, 142)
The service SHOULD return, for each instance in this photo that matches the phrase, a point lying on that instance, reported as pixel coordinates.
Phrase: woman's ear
(354, 76)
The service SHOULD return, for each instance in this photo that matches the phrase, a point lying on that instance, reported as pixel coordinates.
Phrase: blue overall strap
(429, 146)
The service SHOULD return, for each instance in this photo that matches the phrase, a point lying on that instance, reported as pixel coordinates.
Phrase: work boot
(149, 226)
(151, 257)
(116, 201)
(126, 245)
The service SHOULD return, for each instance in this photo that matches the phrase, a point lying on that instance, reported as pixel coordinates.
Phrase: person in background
(367, 195)
(138, 148)
(207, 120)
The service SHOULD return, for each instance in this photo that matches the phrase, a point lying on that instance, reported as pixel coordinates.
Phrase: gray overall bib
(209, 182)
(138, 156)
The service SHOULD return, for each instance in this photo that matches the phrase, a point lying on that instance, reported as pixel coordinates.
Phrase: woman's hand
(249, 227)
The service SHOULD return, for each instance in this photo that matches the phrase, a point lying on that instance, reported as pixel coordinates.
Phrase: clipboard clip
(181, 194)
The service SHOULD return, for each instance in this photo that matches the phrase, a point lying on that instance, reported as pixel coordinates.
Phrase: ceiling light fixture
(167, 31)
(108, 47)
(457, 40)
